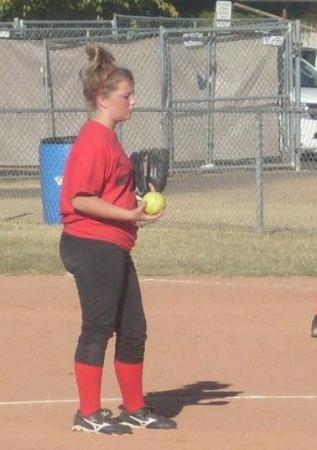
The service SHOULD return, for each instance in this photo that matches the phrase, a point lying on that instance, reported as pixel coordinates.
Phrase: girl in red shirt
(99, 212)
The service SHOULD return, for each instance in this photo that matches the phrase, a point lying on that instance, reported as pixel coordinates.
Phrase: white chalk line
(225, 283)
(213, 282)
(221, 283)
(216, 397)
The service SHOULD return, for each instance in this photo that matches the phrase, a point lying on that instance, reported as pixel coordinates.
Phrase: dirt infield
(231, 360)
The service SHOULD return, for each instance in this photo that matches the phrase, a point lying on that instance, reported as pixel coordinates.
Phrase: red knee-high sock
(89, 387)
(130, 381)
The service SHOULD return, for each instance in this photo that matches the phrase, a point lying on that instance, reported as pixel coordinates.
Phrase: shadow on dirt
(202, 393)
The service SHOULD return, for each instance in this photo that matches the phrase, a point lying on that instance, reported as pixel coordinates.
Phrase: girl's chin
(126, 117)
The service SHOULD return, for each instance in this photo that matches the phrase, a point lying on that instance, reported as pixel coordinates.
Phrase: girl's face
(118, 105)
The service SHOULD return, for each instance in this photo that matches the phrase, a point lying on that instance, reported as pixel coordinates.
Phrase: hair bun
(99, 57)
(101, 75)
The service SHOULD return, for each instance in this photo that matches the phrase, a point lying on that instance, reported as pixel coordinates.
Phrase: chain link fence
(224, 102)
(52, 29)
(142, 22)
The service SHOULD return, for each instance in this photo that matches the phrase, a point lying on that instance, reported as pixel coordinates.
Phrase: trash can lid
(59, 140)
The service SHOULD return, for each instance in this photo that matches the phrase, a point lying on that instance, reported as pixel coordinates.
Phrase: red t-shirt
(98, 166)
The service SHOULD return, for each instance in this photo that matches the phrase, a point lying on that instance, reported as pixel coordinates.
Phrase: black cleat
(100, 422)
(314, 327)
(146, 418)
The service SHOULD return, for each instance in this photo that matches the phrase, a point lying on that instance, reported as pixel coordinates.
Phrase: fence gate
(215, 82)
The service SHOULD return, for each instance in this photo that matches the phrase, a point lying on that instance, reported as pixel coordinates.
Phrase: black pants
(110, 299)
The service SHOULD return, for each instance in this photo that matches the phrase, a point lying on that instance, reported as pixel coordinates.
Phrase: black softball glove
(150, 166)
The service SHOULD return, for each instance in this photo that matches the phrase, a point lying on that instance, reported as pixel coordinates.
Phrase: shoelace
(105, 413)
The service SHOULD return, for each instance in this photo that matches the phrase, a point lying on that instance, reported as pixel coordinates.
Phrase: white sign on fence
(273, 41)
(193, 39)
(223, 13)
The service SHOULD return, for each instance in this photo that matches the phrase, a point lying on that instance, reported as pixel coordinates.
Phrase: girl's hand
(139, 214)
(139, 211)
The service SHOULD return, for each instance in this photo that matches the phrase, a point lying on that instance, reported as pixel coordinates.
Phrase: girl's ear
(101, 102)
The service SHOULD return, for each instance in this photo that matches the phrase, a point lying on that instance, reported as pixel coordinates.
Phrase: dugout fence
(225, 102)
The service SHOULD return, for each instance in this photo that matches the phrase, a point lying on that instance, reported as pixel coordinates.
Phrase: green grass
(168, 250)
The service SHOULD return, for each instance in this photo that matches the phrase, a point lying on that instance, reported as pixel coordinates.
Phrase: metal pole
(163, 88)
(291, 95)
(209, 156)
(167, 95)
(297, 93)
(259, 175)
(115, 21)
(114, 26)
(49, 88)
(254, 10)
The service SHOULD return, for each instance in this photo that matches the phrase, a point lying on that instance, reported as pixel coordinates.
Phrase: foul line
(217, 283)
(223, 283)
(216, 397)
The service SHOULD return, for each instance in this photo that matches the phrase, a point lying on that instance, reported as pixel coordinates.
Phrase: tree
(90, 9)
(193, 7)
(82, 9)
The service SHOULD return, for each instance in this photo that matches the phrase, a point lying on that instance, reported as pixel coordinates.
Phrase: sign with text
(223, 13)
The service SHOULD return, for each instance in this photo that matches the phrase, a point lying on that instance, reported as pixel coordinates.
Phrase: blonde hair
(101, 76)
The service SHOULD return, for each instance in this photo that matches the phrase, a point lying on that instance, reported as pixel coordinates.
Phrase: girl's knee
(130, 350)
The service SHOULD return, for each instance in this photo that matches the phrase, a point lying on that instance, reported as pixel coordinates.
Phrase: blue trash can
(53, 154)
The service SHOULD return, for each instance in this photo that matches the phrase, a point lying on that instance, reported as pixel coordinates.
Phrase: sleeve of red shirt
(86, 170)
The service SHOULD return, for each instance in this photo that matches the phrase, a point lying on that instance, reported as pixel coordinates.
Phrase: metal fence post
(291, 140)
(114, 26)
(49, 88)
(211, 95)
(298, 94)
(163, 89)
(259, 174)
(167, 94)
